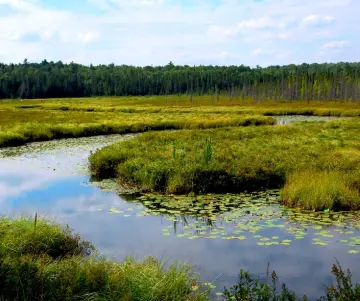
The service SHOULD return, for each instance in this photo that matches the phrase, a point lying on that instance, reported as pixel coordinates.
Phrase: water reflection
(52, 181)
(287, 119)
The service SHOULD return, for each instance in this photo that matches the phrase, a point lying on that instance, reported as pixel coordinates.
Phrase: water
(287, 119)
(51, 179)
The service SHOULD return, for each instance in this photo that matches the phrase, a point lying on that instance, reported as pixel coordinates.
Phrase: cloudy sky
(193, 32)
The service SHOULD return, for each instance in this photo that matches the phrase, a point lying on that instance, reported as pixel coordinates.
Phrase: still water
(247, 232)
(287, 119)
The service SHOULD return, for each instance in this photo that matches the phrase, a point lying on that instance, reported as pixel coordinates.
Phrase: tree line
(329, 81)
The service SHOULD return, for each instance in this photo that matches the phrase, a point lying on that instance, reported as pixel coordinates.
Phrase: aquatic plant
(48, 263)
(249, 288)
(240, 159)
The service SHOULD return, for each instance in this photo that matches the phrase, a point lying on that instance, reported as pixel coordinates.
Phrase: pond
(218, 235)
(287, 119)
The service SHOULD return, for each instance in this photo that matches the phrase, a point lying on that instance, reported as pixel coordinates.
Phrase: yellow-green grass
(321, 190)
(36, 120)
(23, 236)
(17, 128)
(231, 159)
(30, 270)
(182, 103)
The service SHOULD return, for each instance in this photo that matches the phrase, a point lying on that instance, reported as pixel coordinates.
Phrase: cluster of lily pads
(247, 216)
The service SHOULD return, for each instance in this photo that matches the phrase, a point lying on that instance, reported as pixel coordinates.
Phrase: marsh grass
(39, 236)
(250, 288)
(17, 127)
(320, 190)
(29, 278)
(235, 159)
(240, 159)
(41, 120)
(49, 262)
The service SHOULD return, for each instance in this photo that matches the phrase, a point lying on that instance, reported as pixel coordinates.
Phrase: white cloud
(315, 19)
(154, 32)
(261, 51)
(335, 44)
(89, 36)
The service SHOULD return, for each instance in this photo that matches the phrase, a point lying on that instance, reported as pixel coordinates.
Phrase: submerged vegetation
(40, 260)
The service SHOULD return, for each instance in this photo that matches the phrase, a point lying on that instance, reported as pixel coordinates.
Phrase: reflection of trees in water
(198, 221)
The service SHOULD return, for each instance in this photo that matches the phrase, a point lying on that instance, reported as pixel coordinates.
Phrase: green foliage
(239, 159)
(208, 152)
(344, 288)
(18, 127)
(319, 190)
(293, 82)
(250, 289)
(48, 262)
(25, 236)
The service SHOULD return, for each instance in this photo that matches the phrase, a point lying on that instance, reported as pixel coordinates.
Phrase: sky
(186, 32)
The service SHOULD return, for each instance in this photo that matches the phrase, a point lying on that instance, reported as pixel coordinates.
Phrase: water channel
(248, 232)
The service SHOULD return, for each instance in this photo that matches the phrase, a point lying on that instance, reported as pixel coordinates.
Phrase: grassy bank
(44, 261)
(41, 120)
(218, 160)
(37, 131)
(41, 260)
(320, 190)
(238, 159)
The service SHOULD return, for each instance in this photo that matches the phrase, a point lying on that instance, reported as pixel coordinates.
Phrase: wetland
(219, 191)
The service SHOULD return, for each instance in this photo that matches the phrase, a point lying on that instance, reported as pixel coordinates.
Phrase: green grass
(19, 127)
(36, 273)
(321, 190)
(235, 159)
(40, 120)
(227, 158)
(49, 262)
(22, 236)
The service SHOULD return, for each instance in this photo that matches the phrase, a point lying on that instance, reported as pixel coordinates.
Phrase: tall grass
(23, 236)
(17, 128)
(49, 262)
(250, 288)
(319, 190)
(237, 159)
(37, 120)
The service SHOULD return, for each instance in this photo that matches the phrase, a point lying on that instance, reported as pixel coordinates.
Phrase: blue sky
(193, 32)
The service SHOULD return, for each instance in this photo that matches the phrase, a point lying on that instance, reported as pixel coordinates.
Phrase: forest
(306, 82)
